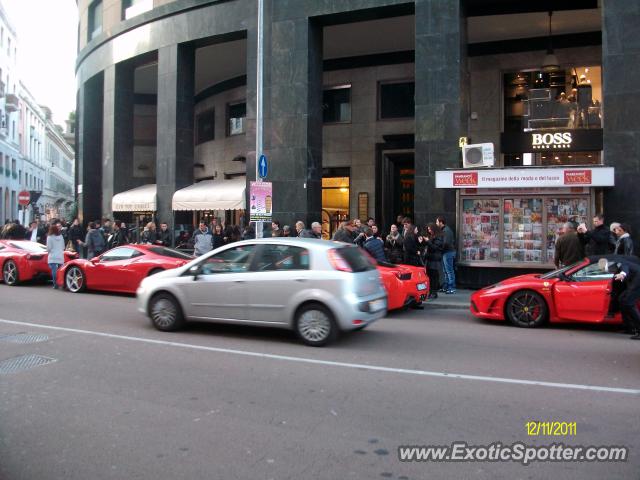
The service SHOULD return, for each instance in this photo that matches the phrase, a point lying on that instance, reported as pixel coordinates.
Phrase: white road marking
(314, 361)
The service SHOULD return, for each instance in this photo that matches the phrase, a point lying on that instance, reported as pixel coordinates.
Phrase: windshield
(556, 273)
(170, 252)
(32, 247)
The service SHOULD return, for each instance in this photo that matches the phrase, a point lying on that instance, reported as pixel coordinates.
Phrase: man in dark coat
(345, 232)
(628, 273)
(599, 241)
(568, 247)
(410, 244)
(165, 237)
(36, 233)
(76, 235)
(374, 245)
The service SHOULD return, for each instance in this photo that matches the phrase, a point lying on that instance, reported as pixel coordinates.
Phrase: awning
(139, 199)
(212, 195)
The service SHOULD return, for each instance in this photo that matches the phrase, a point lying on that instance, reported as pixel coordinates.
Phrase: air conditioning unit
(477, 155)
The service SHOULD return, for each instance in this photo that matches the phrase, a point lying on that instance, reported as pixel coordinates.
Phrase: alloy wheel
(10, 273)
(527, 309)
(74, 280)
(163, 313)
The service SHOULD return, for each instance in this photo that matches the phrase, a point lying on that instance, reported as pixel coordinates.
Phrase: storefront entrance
(398, 186)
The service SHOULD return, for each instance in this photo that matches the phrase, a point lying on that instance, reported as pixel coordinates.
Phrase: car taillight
(403, 276)
(337, 262)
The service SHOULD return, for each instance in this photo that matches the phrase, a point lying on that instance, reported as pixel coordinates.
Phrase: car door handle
(300, 279)
(238, 281)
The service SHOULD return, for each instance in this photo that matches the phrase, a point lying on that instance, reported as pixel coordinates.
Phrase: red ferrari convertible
(120, 269)
(23, 260)
(578, 293)
(405, 285)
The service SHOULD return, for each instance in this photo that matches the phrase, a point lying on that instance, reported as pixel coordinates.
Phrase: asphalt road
(123, 401)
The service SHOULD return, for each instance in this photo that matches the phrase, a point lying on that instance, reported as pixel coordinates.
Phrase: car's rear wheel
(527, 309)
(315, 325)
(10, 273)
(74, 280)
(165, 313)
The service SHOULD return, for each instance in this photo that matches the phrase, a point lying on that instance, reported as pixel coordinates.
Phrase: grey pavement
(459, 300)
(123, 401)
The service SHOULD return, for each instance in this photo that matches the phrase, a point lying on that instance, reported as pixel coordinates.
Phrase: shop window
(397, 100)
(560, 211)
(336, 104)
(205, 126)
(522, 230)
(95, 19)
(480, 229)
(335, 200)
(236, 115)
(568, 99)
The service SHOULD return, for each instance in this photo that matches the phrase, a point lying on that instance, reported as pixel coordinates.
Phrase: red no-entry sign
(24, 197)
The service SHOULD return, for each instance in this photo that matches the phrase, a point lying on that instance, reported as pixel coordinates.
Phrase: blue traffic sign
(262, 166)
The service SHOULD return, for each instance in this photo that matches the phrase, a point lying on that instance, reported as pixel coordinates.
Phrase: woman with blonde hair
(149, 235)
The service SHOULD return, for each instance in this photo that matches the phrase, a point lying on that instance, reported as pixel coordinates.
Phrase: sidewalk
(459, 300)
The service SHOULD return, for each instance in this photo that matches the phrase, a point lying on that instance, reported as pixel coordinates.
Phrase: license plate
(377, 305)
(421, 286)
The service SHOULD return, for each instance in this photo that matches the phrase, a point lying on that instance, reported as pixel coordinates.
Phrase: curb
(445, 306)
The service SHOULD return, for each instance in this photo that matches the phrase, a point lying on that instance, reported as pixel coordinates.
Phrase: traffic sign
(24, 197)
(262, 166)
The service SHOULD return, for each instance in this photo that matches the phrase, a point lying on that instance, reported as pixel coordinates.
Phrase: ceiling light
(550, 62)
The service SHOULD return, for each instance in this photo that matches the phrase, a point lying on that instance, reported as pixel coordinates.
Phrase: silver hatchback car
(314, 287)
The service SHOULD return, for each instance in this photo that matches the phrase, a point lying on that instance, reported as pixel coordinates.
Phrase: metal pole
(259, 96)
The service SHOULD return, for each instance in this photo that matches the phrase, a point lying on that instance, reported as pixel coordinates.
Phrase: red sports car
(120, 269)
(581, 292)
(405, 285)
(23, 260)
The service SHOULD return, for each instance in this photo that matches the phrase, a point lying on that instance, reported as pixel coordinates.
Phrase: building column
(89, 148)
(293, 117)
(442, 88)
(174, 157)
(621, 102)
(117, 136)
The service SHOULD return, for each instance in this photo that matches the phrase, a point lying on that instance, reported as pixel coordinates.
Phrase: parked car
(120, 269)
(406, 285)
(23, 260)
(578, 293)
(315, 288)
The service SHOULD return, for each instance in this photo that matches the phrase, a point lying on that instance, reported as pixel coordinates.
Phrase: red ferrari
(578, 293)
(23, 260)
(120, 269)
(405, 285)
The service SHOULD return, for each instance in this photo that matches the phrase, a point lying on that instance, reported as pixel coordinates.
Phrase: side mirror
(95, 260)
(196, 270)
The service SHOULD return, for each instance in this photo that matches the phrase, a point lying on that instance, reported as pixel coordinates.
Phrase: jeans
(448, 259)
(54, 271)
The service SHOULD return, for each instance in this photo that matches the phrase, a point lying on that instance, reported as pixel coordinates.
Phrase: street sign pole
(259, 97)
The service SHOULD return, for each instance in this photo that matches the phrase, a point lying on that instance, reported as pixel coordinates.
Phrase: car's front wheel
(10, 273)
(74, 280)
(527, 309)
(315, 325)
(165, 312)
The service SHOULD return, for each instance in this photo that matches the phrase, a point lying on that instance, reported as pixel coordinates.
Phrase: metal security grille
(24, 338)
(23, 362)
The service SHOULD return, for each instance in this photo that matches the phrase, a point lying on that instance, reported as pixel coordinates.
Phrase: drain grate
(23, 362)
(24, 338)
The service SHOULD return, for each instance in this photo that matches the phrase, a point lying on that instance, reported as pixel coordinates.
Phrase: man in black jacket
(629, 273)
(165, 237)
(598, 241)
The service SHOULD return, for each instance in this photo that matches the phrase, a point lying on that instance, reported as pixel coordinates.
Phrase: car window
(356, 259)
(170, 252)
(120, 253)
(233, 260)
(591, 273)
(32, 247)
(282, 257)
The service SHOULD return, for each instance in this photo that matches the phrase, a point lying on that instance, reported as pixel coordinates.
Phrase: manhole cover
(23, 362)
(24, 338)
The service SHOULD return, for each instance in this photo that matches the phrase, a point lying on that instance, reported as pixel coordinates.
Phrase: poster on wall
(260, 201)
